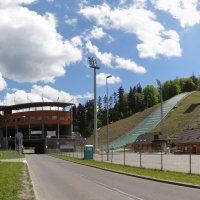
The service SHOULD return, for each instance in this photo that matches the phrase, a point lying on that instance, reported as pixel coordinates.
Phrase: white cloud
(70, 21)
(135, 20)
(97, 33)
(121, 63)
(3, 83)
(51, 19)
(52, 94)
(101, 79)
(50, 1)
(105, 58)
(13, 3)
(83, 3)
(183, 10)
(129, 65)
(42, 93)
(31, 49)
(167, 45)
(19, 96)
(121, 2)
(87, 95)
(77, 41)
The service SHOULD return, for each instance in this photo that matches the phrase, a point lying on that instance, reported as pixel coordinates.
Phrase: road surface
(57, 179)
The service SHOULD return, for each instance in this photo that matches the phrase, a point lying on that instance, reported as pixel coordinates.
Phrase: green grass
(162, 175)
(121, 127)
(10, 183)
(10, 155)
(179, 119)
(15, 183)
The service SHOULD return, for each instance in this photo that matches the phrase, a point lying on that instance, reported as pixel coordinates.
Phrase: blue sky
(44, 46)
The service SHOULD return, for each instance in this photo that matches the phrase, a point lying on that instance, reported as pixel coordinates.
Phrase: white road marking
(130, 196)
(127, 194)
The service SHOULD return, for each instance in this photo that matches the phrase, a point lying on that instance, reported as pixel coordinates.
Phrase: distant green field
(157, 174)
(10, 155)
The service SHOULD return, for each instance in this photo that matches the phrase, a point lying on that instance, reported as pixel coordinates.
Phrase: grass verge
(15, 183)
(153, 173)
(10, 155)
(10, 184)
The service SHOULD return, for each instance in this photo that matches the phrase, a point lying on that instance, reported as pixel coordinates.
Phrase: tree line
(123, 104)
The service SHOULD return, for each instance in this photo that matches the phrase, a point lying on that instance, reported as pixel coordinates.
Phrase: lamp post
(161, 105)
(109, 76)
(93, 64)
(161, 122)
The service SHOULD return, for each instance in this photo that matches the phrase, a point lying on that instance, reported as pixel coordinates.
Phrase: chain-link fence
(188, 163)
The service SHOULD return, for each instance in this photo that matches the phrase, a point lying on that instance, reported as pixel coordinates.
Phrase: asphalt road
(55, 179)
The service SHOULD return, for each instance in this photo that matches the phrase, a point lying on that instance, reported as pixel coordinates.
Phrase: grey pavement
(58, 179)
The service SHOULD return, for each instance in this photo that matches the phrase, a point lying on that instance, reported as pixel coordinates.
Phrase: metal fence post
(81, 152)
(140, 157)
(161, 154)
(112, 157)
(124, 155)
(190, 159)
(102, 154)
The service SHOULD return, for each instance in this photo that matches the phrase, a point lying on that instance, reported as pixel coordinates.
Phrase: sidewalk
(14, 160)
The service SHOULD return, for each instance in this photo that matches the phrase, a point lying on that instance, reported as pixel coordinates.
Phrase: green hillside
(121, 127)
(185, 115)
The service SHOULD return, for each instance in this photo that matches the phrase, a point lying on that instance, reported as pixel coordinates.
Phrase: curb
(32, 182)
(138, 176)
(13, 160)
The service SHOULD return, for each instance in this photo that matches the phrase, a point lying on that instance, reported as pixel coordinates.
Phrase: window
(46, 117)
(61, 118)
(39, 118)
(54, 117)
(32, 117)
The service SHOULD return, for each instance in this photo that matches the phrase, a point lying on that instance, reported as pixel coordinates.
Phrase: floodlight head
(109, 76)
(159, 82)
(93, 63)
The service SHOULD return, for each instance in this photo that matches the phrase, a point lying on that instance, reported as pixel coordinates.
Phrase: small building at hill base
(188, 141)
(149, 142)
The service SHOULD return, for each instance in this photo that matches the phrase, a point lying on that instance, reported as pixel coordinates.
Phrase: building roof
(149, 138)
(35, 104)
(189, 136)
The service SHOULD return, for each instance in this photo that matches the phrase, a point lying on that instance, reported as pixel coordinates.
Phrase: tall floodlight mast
(93, 64)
